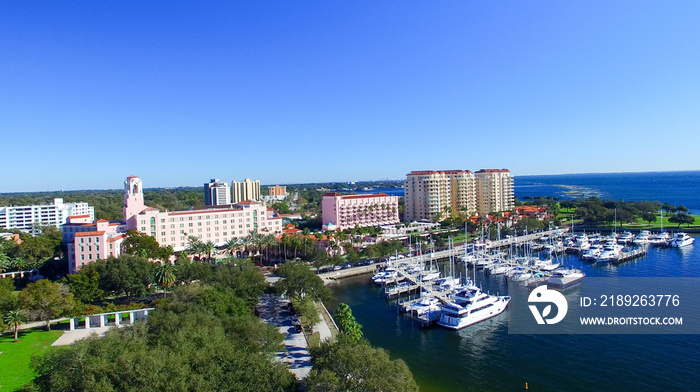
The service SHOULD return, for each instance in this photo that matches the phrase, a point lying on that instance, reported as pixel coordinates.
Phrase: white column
(131, 317)
(87, 322)
(117, 319)
(102, 320)
(71, 324)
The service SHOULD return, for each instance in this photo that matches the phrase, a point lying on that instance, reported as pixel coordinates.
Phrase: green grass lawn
(15, 357)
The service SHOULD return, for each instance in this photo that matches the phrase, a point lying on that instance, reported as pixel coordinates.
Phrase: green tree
(35, 250)
(244, 278)
(347, 323)
(165, 275)
(142, 244)
(8, 300)
(307, 310)
(126, 274)
(85, 284)
(15, 318)
(298, 281)
(681, 219)
(356, 366)
(46, 300)
(649, 217)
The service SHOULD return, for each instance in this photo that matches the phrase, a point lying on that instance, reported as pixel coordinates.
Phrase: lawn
(15, 357)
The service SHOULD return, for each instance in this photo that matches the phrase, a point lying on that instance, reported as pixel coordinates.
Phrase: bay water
(485, 357)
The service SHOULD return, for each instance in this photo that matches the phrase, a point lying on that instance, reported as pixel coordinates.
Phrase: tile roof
(89, 233)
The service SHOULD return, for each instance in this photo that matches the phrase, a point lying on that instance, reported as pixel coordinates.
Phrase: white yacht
(565, 279)
(425, 305)
(626, 237)
(681, 239)
(660, 239)
(611, 252)
(471, 306)
(643, 238)
(385, 276)
(593, 252)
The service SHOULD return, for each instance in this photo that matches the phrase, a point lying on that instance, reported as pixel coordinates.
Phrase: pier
(635, 253)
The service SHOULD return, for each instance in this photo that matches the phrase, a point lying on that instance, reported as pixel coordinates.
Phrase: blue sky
(291, 92)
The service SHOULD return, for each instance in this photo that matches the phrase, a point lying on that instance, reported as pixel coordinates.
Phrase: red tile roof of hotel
(78, 216)
(427, 172)
(356, 196)
(204, 211)
(494, 171)
(89, 233)
(133, 177)
(102, 220)
(116, 238)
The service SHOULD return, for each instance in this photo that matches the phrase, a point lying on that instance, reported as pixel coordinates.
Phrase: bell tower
(133, 201)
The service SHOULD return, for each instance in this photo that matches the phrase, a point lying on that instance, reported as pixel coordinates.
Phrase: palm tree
(15, 318)
(195, 246)
(208, 248)
(5, 262)
(233, 245)
(165, 275)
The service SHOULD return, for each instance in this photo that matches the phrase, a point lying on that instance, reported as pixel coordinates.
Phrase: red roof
(494, 171)
(203, 211)
(89, 233)
(116, 238)
(133, 177)
(356, 196)
(78, 216)
(428, 172)
(102, 220)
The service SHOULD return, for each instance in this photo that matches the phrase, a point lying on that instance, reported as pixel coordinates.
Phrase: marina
(484, 357)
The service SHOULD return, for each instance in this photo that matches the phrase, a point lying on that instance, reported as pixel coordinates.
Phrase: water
(677, 188)
(484, 357)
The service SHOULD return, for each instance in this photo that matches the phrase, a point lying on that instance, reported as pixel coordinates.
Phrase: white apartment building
(26, 217)
(217, 193)
(435, 195)
(245, 190)
(494, 191)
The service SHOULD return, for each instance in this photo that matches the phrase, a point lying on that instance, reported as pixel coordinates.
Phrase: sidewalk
(296, 353)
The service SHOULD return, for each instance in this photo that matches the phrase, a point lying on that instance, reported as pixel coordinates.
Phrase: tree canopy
(356, 366)
(299, 281)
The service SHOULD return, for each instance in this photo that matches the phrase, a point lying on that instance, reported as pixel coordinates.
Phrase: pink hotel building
(217, 224)
(341, 212)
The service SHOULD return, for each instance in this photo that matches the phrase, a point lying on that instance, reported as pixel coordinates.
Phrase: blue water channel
(485, 357)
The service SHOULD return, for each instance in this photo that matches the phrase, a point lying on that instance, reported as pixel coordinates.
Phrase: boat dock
(633, 254)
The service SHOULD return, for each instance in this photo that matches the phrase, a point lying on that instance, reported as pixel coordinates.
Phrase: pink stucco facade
(217, 224)
(343, 212)
(88, 241)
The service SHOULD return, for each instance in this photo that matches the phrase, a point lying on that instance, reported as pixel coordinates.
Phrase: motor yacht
(681, 239)
(471, 306)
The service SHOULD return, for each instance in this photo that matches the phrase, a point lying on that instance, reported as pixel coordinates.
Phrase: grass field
(15, 357)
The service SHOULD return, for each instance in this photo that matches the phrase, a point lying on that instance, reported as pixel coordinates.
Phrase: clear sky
(178, 92)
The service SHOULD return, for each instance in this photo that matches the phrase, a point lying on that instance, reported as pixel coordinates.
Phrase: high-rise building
(494, 191)
(26, 217)
(245, 190)
(216, 193)
(436, 195)
(277, 190)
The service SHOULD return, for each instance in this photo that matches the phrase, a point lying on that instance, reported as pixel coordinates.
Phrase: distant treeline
(109, 203)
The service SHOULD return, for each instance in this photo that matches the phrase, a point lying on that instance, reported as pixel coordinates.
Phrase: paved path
(70, 337)
(296, 354)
